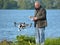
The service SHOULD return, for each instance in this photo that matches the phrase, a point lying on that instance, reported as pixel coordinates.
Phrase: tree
(9, 4)
(51, 4)
(1, 4)
(22, 4)
(12, 5)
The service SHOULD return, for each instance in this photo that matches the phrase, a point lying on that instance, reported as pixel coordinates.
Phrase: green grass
(54, 41)
(30, 40)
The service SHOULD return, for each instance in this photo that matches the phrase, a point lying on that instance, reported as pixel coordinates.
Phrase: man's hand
(34, 18)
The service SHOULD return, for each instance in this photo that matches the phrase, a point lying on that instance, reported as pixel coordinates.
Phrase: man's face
(37, 5)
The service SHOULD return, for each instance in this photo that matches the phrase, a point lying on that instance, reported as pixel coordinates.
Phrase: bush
(25, 40)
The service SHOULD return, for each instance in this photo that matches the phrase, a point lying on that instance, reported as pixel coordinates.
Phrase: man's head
(37, 5)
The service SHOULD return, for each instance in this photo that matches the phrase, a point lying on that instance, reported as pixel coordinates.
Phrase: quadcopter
(22, 25)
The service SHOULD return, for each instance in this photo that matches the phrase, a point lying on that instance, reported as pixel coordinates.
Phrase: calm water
(8, 17)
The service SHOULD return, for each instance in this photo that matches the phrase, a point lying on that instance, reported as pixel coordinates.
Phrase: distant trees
(12, 5)
(1, 4)
(25, 4)
(28, 4)
(8, 4)
(51, 4)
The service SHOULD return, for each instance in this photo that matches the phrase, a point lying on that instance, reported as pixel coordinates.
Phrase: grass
(54, 41)
(26, 40)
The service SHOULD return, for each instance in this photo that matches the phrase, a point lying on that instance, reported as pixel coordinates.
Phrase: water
(8, 17)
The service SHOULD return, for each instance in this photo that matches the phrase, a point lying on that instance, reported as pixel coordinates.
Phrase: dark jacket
(41, 21)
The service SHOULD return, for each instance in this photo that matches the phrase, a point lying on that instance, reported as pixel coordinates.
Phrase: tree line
(28, 4)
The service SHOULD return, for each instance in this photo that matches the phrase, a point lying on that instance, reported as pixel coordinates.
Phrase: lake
(9, 32)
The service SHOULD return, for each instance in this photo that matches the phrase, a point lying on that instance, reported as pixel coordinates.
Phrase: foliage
(51, 4)
(5, 42)
(28, 4)
(54, 41)
(25, 40)
(30, 40)
(8, 4)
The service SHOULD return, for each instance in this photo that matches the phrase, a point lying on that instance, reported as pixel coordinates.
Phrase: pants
(40, 36)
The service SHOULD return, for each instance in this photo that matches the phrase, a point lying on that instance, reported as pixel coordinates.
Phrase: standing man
(40, 23)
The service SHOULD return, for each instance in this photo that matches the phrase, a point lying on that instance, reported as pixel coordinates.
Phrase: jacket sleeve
(41, 15)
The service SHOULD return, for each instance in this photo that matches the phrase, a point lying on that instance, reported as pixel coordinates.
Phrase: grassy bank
(25, 40)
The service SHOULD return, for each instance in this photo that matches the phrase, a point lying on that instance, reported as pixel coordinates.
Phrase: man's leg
(42, 35)
(37, 35)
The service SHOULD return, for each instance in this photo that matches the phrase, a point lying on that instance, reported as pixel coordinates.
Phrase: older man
(40, 23)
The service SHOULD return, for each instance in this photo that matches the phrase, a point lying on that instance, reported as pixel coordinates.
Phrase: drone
(22, 25)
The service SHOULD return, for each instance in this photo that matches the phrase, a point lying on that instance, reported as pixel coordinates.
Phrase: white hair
(37, 2)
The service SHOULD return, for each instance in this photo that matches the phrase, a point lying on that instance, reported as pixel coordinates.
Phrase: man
(40, 23)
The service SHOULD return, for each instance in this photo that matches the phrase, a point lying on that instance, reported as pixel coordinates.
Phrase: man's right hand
(34, 18)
